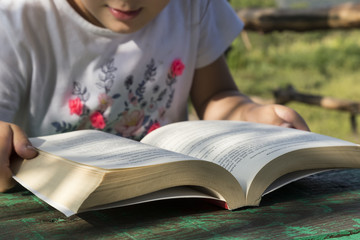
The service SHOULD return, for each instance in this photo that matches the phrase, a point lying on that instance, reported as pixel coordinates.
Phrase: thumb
(22, 146)
(6, 149)
(290, 117)
(12, 141)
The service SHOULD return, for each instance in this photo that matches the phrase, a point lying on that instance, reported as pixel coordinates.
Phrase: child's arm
(12, 141)
(215, 96)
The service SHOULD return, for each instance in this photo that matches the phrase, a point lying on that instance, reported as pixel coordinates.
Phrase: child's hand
(276, 115)
(215, 96)
(12, 141)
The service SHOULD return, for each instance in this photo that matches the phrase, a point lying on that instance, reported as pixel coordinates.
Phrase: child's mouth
(124, 15)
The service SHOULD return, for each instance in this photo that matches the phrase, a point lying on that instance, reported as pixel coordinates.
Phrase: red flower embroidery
(76, 106)
(156, 125)
(97, 120)
(177, 68)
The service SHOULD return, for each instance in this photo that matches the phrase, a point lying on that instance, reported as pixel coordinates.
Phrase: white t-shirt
(60, 73)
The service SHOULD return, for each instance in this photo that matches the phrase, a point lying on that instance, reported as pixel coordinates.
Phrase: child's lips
(125, 15)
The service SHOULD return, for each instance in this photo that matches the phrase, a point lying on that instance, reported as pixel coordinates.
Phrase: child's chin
(123, 28)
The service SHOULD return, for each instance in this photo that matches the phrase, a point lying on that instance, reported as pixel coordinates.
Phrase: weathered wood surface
(345, 16)
(318, 207)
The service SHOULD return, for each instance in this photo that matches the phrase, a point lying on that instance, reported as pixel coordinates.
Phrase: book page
(242, 148)
(291, 177)
(104, 150)
(165, 194)
(65, 210)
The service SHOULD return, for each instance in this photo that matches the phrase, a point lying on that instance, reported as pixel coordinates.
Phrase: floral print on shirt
(140, 114)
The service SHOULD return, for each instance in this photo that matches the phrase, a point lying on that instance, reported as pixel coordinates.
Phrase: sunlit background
(323, 63)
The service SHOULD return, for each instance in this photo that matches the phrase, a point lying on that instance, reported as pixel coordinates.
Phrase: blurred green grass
(324, 63)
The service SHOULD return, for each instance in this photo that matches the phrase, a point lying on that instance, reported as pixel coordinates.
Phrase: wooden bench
(321, 206)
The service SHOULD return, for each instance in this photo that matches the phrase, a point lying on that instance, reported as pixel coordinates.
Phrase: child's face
(122, 16)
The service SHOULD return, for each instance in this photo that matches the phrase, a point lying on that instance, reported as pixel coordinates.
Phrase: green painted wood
(319, 207)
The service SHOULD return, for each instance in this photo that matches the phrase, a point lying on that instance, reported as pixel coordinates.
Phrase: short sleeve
(219, 27)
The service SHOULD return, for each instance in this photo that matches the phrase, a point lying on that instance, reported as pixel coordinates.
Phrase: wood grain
(318, 207)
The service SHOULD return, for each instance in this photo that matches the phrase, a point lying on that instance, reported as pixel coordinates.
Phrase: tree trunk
(345, 16)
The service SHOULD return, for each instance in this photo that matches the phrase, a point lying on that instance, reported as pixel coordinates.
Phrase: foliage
(323, 63)
(252, 3)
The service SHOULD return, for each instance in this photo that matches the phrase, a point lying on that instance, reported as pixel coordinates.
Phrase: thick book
(229, 162)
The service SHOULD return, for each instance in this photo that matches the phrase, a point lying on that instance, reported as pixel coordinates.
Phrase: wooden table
(318, 207)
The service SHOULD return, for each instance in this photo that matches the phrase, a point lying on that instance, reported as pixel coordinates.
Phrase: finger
(287, 125)
(5, 143)
(291, 118)
(6, 181)
(264, 114)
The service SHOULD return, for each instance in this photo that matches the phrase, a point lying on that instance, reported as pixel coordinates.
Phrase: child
(121, 66)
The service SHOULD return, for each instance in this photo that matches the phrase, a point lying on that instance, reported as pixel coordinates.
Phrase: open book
(233, 163)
